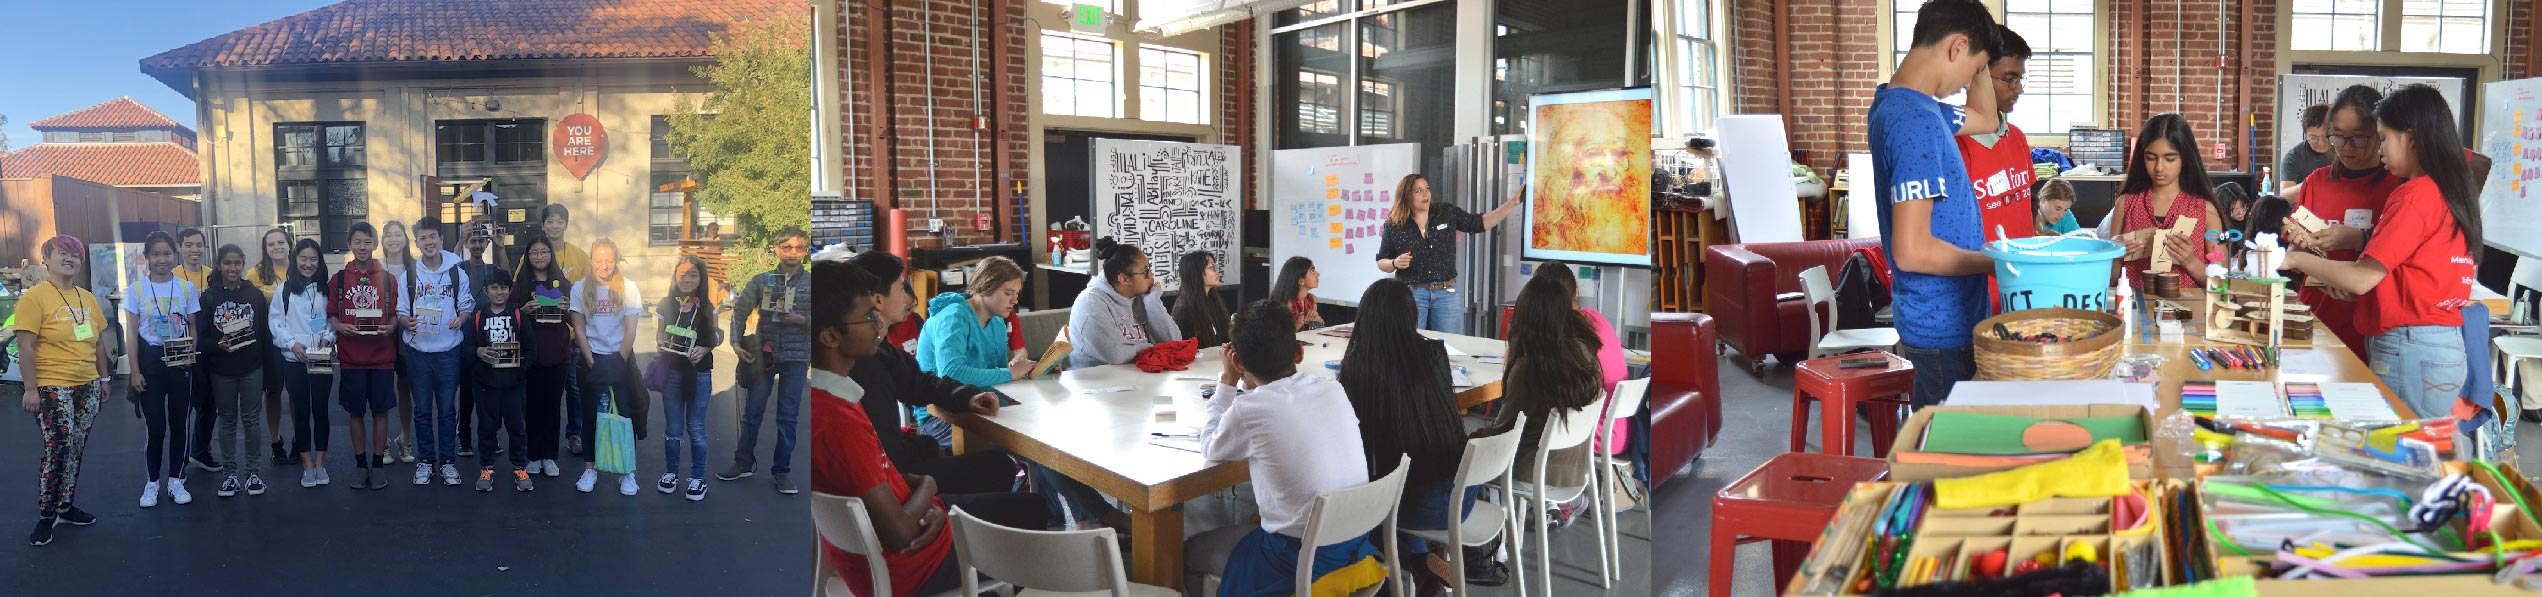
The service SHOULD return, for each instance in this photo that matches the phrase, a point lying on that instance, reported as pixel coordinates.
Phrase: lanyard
(79, 317)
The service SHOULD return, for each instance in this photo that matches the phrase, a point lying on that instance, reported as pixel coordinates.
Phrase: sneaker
(626, 484)
(449, 474)
(786, 485)
(696, 489)
(255, 484)
(363, 480)
(485, 480)
(322, 475)
(551, 468)
(308, 479)
(43, 532)
(149, 494)
(670, 482)
(405, 449)
(574, 444)
(589, 478)
(379, 478)
(78, 518)
(281, 458)
(204, 464)
(229, 487)
(464, 450)
(521, 481)
(736, 473)
(176, 489)
(423, 474)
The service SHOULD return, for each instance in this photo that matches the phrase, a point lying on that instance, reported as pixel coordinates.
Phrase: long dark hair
(2438, 148)
(1115, 258)
(2193, 172)
(1398, 381)
(221, 280)
(1292, 280)
(1196, 310)
(1553, 353)
(294, 284)
(527, 277)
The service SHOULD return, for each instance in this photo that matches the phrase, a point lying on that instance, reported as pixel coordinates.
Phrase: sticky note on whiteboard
(1337, 227)
(1350, 250)
(1334, 209)
(1332, 193)
(1331, 180)
(1335, 243)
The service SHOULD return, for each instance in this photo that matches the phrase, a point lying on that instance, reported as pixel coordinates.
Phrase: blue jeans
(1937, 369)
(684, 421)
(2421, 364)
(435, 376)
(1426, 509)
(787, 383)
(1440, 311)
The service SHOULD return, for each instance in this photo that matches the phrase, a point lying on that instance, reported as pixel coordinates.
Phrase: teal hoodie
(954, 345)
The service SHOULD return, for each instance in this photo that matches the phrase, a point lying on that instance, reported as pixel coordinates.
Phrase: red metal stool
(1789, 501)
(1838, 390)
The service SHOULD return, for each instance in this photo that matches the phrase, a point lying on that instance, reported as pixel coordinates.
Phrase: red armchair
(1685, 395)
(1755, 291)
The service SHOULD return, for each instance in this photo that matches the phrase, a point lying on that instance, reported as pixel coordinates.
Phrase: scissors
(2224, 236)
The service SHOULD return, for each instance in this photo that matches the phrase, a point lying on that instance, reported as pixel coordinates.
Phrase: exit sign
(1086, 18)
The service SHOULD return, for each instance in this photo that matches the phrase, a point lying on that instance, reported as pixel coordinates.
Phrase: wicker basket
(2090, 357)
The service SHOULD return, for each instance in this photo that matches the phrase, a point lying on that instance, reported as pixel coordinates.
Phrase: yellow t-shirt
(197, 275)
(61, 358)
(262, 286)
(572, 258)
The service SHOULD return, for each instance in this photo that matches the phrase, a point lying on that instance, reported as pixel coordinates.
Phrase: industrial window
(666, 210)
(1379, 101)
(1080, 76)
(2057, 90)
(1171, 85)
(321, 187)
(490, 141)
(2337, 25)
(1697, 67)
(1319, 107)
(2448, 26)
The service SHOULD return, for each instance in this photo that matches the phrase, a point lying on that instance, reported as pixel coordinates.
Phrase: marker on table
(2199, 356)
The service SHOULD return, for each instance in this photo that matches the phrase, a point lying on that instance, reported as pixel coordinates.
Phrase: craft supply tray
(2507, 521)
(1958, 538)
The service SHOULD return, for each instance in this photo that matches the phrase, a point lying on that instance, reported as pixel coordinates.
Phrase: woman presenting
(1420, 249)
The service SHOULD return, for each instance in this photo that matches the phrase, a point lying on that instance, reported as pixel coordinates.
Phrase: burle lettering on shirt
(1917, 190)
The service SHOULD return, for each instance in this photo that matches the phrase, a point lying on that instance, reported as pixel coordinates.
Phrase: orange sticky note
(1332, 193)
(1334, 209)
(1336, 243)
(1337, 227)
(1331, 179)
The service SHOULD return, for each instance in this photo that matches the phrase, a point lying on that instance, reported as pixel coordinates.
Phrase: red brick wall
(963, 179)
(1236, 120)
(1835, 67)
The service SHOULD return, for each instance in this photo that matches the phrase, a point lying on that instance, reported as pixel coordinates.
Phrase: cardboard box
(1912, 435)
(2025, 531)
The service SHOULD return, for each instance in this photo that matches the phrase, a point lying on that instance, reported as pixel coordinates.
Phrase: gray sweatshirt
(1104, 326)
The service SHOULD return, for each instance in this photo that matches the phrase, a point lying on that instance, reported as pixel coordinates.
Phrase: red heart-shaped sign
(580, 143)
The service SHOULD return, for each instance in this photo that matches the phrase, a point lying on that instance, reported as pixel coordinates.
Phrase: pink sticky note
(1384, 196)
(1368, 178)
(1350, 249)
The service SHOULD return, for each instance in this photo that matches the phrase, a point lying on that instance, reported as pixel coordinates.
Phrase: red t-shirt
(905, 334)
(2350, 200)
(2001, 175)
(848, 459)
(364, 289)
(2431, 268)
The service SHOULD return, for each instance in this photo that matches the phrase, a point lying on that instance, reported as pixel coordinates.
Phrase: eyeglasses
(2014, 81)
(2351, 141)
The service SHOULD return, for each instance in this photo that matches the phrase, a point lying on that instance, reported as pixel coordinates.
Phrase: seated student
(966, 340)
(2313, 154)
(2234, 204)
(1929, 217)
(1197, 310)
(1403, 393)
(2348, 195)
(2055, 207)
(1118, 315)
(905, 511)
(1298, 437)
(1296, 288)
(2415, 273)
(2166, 183)
(1554, 374)
(893, 376)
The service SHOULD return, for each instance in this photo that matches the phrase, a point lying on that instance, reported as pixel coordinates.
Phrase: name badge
(365, 313)
(80, 332)
(1441, 226)
(680, 331)
(2361, 219)
(164, 327)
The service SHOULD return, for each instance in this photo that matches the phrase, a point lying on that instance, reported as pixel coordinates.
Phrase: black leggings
(309, 419)
(169, 395)
(206, 413)
(500, 412)
(544, 409)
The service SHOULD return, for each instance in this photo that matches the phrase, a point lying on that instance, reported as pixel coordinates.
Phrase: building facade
(118, 143)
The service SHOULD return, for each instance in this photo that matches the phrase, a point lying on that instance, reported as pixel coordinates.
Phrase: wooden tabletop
(2323, 360)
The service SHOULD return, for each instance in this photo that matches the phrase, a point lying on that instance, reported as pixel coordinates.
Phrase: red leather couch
(1755, 291)
(1685, 394)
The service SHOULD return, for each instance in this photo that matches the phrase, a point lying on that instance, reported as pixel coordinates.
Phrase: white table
(1102, 439)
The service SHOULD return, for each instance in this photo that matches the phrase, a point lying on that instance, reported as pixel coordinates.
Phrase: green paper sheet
(2000, 435)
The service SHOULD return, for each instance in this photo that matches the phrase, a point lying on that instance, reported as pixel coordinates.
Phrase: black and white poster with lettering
(1169, 198)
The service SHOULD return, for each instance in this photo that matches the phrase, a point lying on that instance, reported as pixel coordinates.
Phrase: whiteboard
(1862, 203)
(1329, 204)
(1168, 198)
(2511, 135)
(1756, 163)
(2295, 92)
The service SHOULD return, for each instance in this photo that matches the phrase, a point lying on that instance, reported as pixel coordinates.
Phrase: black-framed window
(1360, 71)
(665, 211)
(490, 141)
(1560, 46)
(321, 184)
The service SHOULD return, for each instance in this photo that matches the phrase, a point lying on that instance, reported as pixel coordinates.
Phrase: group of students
(420, 328)
(1394, 397)
(2396, 264)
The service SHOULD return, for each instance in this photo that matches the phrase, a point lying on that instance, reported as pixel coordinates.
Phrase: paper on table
(1461, 380)
(1453, 352)
(1187, 444)
(2253, 399)
(1110, 389)
(2052, 393)
(2357, 402)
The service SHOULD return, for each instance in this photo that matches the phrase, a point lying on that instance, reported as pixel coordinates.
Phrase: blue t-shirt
(2065, 224)
(1915, 158)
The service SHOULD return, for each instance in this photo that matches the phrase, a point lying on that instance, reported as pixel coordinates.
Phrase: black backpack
(1858, 295)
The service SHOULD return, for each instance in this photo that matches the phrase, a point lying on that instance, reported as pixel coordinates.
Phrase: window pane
(1904, 26)
(1553, 46)
(1392, 85)
(1306, 74)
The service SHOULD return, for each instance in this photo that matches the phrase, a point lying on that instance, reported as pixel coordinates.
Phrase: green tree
(750, 142)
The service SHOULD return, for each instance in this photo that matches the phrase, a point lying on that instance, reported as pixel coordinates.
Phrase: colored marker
(2200, 357)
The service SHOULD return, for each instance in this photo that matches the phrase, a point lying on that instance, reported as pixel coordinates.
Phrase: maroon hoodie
(362, 286)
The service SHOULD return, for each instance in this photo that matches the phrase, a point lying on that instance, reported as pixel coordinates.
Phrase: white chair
(1055, 561)
(2506, 352)
(1620, 406)
(1560, 433)
(1486, 460)
(1826, 341)
(841, 521)
(1345, 514)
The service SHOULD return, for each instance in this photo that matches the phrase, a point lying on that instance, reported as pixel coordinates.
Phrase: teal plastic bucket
(2071, 272)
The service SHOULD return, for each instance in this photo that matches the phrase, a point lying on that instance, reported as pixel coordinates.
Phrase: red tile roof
(357, 31)
(120, 113)
(119, 164)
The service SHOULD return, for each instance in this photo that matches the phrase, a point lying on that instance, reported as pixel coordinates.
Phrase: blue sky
(63, 55)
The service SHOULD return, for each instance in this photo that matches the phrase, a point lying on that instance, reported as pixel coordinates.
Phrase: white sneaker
(589, 477)
(308, 479)
(321, 474)
(423, 474)
(696, 490)
(449, 474)
(406, 449)
(551, 468)
(149, 494)
(626, 484)
(176, 489)
(670, 483)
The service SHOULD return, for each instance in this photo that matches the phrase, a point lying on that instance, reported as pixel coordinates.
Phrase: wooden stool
(1789, 501)
(1838, 390)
